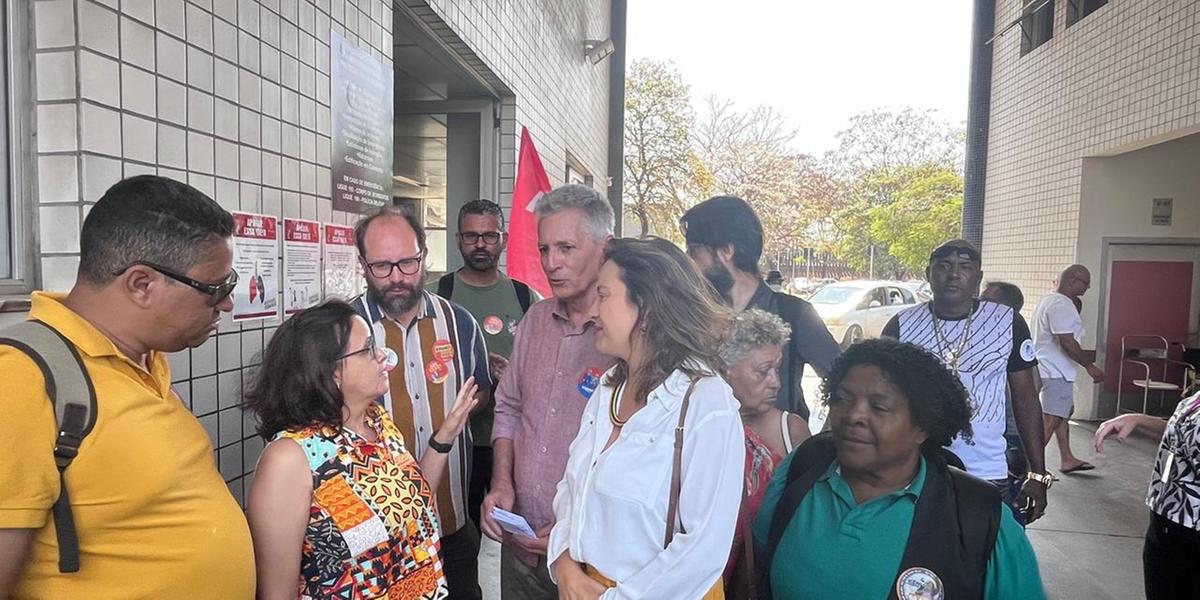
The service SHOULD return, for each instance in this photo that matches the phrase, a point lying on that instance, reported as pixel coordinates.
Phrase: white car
(856, 310)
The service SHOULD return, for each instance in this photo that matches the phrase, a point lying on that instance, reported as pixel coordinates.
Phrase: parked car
(798, 286)
(855, 310)
(920, 289)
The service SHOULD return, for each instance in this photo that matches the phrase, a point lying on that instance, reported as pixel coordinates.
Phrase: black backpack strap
(74, 399)
(445, 286)
(979, 507)
(524, 297)
(809, 462)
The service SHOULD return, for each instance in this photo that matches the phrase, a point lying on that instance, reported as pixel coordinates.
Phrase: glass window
(1037, 26)
(1078, 9)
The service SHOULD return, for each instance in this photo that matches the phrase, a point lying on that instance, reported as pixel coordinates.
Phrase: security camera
(597, 50)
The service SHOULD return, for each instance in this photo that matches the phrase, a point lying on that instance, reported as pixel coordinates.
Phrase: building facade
(233, 97)
(1094, 142)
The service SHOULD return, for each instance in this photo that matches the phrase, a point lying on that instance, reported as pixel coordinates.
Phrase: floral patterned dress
(1175, 488)
(372, 529)
(760, 465)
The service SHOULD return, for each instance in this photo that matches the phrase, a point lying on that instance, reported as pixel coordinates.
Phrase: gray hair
(753, 329)
(598, 213)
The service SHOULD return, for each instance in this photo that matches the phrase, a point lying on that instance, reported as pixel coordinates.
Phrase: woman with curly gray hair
(751, 355)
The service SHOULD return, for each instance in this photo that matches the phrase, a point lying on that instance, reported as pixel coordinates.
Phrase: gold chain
(942, 344)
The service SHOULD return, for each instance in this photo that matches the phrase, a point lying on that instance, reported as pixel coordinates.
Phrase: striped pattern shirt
(438, 351)
(998, 344)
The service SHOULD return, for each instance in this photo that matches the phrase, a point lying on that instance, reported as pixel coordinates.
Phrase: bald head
(1074, 281)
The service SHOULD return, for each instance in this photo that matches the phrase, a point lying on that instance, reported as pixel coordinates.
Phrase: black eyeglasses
(369, 347)
(216, 292)
(490, 238)
(408, 266)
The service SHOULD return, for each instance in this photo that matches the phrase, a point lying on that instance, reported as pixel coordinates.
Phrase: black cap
(960, 248)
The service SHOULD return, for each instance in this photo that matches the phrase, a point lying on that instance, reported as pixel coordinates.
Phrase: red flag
(523, 260)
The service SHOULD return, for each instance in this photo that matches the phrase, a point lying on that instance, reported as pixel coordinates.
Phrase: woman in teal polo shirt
(875, 509)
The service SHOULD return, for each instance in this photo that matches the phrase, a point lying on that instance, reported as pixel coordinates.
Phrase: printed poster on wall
(360, 97)
(301, 265)
(256, 260)
(342, 277)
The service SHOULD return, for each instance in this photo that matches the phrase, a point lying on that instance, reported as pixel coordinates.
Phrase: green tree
(926, 211)
(659, 163)
(880, 156)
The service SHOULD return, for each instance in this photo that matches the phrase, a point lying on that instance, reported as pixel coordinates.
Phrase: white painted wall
(1116, 197)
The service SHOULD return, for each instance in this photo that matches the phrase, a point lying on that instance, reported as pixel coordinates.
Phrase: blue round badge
(588, 382)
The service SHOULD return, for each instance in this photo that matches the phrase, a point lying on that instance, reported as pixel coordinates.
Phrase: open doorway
(1152, 289)
(446, 136)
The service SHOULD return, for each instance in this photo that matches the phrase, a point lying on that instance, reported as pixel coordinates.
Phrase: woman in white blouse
(618, 533)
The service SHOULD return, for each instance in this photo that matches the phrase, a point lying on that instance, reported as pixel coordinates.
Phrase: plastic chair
(1160, 350)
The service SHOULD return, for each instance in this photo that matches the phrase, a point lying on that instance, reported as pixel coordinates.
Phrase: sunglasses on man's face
(216, 292)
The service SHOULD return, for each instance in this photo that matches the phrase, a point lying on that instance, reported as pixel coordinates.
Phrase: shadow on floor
(1089, 544)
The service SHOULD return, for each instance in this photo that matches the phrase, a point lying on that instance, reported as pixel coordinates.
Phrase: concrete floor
(1089, 544)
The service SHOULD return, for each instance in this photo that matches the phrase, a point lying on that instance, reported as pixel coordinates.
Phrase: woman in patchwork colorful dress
(339, 507)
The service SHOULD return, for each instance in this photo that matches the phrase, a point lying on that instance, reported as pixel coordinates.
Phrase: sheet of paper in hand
(513, 523)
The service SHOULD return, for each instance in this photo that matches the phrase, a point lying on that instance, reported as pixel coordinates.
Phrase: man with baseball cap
(989, 346)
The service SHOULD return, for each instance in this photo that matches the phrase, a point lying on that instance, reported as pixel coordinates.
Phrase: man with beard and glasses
(497, 303)
(988, 345)
(725, 238)
(440, 346)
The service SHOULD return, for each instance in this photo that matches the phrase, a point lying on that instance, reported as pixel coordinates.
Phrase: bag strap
(809, 462)
(73, 396)
(524, 297)
(445, 287)
(748, 549)
(978, 517)
(673, 501)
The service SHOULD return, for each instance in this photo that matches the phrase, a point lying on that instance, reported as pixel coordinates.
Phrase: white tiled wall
(1123, 76)
(232, 96)
(196, 91)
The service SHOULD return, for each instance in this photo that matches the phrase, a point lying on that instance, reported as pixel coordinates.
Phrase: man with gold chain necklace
(990, 348)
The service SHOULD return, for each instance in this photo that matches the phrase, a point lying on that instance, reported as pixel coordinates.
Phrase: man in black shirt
(725, 238)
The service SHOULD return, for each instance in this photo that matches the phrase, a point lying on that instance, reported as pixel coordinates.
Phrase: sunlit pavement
(1089, 544)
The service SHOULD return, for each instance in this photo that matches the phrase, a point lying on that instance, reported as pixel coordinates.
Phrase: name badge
(1166, 468)
(919, 583)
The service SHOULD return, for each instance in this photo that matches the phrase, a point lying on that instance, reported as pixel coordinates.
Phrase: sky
(819, 62)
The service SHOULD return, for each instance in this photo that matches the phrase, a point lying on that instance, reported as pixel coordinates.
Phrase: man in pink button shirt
(553, 371)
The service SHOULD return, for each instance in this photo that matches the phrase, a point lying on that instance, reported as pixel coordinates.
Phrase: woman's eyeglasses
(368, 347)
(216, 292)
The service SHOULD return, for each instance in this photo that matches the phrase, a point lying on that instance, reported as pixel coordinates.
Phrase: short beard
(720, 278)
(394, 306)
(477, 262)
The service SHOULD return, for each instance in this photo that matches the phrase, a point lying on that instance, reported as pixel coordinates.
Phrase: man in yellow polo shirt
(154, 517)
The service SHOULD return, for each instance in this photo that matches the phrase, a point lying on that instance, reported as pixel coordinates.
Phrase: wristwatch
(439, 447)
(1045, 479)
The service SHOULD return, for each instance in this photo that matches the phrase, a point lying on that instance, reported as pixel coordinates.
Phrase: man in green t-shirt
(497, 303)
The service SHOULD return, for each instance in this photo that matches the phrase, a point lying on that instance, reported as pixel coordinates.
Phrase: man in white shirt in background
(1057, 331)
